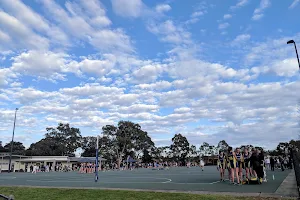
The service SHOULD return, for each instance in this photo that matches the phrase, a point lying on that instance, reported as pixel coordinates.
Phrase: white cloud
(15, 29)
(46, 65)
(89, 26)
(33, 20)
(240, 3)
(227, 16)
(147, 73)
(197, 14)
(126, 8)
(258, 12)
(224, 25)
(169, 32)
(294, 4)
(241, 38)
(161, 8)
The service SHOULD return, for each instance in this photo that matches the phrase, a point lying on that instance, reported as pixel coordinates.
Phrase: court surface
(182, 179)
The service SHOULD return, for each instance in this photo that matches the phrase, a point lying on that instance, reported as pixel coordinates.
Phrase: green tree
(68, 138)
(88, 146)
(222, 145)
(45, 147)
(2, 149)
(18, 148)
(180, 147)
(204, 149)
(146, 158)
(124, 138)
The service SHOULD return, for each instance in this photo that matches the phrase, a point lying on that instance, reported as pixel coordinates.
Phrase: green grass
(22, 193)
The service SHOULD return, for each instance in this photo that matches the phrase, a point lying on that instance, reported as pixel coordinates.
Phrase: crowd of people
(248, 165)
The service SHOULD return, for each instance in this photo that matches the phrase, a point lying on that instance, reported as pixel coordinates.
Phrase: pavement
(191, 180)
(289, 186)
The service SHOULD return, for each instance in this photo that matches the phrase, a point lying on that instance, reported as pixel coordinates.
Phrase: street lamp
(293, 42)
(12, 142)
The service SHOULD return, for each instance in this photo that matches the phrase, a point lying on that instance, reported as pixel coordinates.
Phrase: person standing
(267, 162)
(281, 163)
(272, 163)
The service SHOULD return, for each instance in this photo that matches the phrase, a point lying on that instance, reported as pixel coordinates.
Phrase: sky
(210, 70)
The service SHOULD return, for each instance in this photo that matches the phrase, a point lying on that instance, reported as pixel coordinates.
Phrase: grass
(24, 193)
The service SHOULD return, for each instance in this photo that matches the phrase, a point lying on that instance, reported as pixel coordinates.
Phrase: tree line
(118, 142)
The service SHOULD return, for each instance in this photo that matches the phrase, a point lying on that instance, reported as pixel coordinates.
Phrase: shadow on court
(183, 179)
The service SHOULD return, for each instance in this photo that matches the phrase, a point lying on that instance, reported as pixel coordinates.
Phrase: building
(20, 163)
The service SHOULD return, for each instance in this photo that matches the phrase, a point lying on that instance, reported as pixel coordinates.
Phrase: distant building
(23, 163)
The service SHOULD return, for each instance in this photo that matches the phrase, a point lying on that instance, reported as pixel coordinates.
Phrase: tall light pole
(12, 142)
(293, 42)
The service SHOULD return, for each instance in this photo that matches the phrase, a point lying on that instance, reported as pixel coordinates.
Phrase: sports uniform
(232, 160)
(221, 161)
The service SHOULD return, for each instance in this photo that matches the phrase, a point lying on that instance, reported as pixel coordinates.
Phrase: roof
(6, 155)
(79, 159)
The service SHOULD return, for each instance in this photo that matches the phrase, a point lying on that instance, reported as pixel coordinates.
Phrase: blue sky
(211, 70)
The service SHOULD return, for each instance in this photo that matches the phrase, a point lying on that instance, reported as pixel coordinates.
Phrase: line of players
(236, 161)
(87, 167)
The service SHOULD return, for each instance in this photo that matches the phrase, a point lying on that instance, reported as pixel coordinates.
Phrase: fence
(296, 163)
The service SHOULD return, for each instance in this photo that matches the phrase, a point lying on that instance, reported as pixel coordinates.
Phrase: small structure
(22, 163)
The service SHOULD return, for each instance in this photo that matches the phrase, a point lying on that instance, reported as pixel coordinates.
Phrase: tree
(68, 138)
(146, 158)
(2, 149)
(222, 145)
(193, 152)
(88, 146)
(141, 142)
(180, 147)
(124, 138)
(45, 147)
(204, 149)
(18, 148)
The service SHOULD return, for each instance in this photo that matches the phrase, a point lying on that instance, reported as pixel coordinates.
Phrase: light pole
(293, 42)
(12, 142)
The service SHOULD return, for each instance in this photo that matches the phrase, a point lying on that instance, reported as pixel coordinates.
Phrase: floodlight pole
(293, 42)
(96, 168)
(12, 142)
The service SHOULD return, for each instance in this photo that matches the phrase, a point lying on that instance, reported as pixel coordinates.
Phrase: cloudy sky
(210, 70)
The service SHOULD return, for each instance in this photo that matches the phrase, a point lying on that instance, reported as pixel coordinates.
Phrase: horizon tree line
(119, 142)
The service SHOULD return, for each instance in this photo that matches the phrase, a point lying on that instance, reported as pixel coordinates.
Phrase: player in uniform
(233, 165)
(222, 164)
(246, 156)
(240, 162)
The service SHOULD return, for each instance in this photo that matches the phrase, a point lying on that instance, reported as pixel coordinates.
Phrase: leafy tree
(45, 147)
(141, 142)
(68, 138)
(124, 138)
(193, 152)
(204, 149)
(222, 145)
(88, 146)
(18, 148)
(146, 158)
(2, 149)
(295, 143)
(180, 147)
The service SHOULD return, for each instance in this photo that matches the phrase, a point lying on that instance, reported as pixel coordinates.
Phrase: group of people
(235, 162)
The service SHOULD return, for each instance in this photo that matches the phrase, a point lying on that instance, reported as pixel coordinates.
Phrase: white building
(23, 163)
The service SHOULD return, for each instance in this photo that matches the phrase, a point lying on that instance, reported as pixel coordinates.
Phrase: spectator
(272, 163)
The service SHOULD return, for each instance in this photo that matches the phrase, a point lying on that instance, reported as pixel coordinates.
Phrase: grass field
(21, 193)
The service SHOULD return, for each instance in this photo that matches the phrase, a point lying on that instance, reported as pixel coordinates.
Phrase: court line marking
(80, 180)
(90, 181)
(7, 178)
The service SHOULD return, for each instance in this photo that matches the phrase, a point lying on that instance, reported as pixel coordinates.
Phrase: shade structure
(85, 160)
